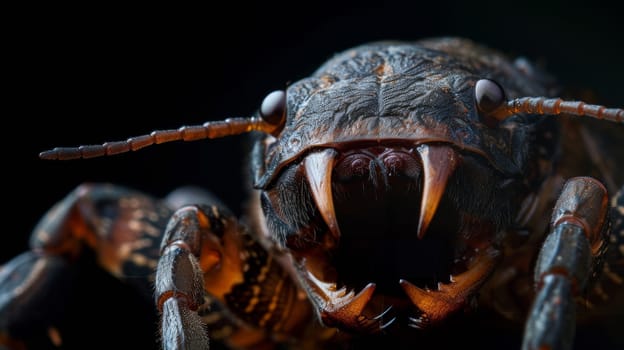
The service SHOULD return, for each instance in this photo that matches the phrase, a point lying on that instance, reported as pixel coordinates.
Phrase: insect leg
(617, 205)
(570, 257)
(20, 279)
(95, 229)
(208, 258)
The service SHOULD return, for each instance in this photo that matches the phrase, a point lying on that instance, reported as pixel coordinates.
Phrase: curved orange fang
(439, 162)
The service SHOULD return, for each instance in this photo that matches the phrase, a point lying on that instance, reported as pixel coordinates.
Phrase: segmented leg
(21, 276)
(114, 228)
(205, 250)
(570, 257)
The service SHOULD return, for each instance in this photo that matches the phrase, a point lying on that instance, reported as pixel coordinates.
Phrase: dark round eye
(489, 95)
(273, 107)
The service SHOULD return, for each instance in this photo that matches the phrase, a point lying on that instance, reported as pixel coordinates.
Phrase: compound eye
(273, 108)
(489, 95)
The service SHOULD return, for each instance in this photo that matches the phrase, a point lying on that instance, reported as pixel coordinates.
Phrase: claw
(363, 325)
(381, 315)
(328, 293)
(437, 304)
(342, 309)
(418, 322)
(347, 311)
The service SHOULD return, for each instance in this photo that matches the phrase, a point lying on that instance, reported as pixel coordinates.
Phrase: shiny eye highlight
(489, 96)
(273, 108)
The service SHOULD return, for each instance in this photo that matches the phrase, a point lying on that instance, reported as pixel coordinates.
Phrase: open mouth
(396, 236)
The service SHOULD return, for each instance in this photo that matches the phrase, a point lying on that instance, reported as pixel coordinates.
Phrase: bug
(394, 188)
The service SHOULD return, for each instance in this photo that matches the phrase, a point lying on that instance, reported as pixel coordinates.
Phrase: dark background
(90, 74)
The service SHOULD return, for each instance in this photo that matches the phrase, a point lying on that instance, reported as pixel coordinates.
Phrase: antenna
(556, 106)
(209, 130)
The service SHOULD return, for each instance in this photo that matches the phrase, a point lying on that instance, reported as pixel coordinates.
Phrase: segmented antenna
(236, 126)
(555, 106)
(209, 130)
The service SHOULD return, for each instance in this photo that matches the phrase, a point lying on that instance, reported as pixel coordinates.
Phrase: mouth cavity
(393, 235)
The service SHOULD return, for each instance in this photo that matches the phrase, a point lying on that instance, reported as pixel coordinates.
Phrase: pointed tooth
(357, 304)
(328, 291)
(420, 297)
(318, 171)
(342, 292)
(346, 312)
(326, 286)
(475, 275)
(438, 162)
(451, 296)
(349, 295)
(434, 305)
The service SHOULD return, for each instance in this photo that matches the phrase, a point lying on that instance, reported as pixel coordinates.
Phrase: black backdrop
(90, 74)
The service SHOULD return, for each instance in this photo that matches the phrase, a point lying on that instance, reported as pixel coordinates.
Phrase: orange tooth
(439, 162)
(348, 309)
(337, 308)
(434, 305)
(318, 169)
(356, 305)
(327, 290)
(450, 297)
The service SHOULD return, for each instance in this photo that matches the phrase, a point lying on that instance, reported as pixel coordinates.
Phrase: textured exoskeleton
(398, 187)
